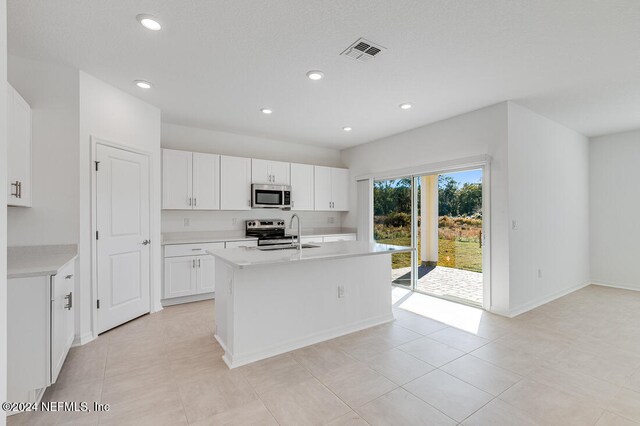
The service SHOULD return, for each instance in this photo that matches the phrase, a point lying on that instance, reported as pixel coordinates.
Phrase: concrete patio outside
(441, 281)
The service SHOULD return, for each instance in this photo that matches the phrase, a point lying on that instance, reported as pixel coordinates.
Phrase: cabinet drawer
(245, 243)
(311, 240)
(345, 237)
(174, 250)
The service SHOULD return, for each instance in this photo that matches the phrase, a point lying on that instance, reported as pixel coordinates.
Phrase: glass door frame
(483, 164)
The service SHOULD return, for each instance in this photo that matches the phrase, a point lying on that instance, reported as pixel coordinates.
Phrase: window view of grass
(459, 222)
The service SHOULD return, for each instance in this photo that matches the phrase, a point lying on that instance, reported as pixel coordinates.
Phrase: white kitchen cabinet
(177, 179)
(62, 317)
(190, 180)
(40, 331)
(18, 149)
(270, 172)
(302, 187)
(340, 189)
(331, 188)
(235, 183)
(206, 274)
(179, 276)
(206, 181)
(189, 271)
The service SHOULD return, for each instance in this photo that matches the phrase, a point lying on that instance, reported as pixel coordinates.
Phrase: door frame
(482, 162)
(95, 141)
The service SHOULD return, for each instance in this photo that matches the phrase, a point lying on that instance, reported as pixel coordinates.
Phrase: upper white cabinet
(302, 190)
(206, 181)
(235, 183)
(190, 180)
(18, 149)
(331, 188)
(177, 179)
(198, 181)
(270, 172)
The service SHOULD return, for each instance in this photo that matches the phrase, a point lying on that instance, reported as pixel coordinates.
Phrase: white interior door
(122, 219)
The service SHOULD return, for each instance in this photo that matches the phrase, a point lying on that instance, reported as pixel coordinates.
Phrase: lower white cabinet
(40, 331)
(189, 270)
(62, 317)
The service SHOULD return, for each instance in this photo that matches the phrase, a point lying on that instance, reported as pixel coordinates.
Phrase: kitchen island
(274, 301)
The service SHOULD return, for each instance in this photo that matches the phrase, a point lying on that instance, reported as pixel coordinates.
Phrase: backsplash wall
(174, 220)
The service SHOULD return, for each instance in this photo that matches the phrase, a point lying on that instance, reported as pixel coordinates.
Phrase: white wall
(615, 204)
(211, 141)
(3, 204)
(482, 132)
(549, 201)
(214, 142)
(112, 115)
(52, 92)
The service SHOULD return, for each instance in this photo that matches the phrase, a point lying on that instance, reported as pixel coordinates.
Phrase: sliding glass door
(392, 224)
(441, 216)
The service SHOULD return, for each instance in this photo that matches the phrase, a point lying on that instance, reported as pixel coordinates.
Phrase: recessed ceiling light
(266, 111)
(405, 106)
(347, 129)
(315, 75)
(143, 84)
(149, 22)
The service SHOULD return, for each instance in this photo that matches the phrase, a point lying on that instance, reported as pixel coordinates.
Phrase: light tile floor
(574, 361)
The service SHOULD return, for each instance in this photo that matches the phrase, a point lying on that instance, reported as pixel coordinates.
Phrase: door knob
(146, 242)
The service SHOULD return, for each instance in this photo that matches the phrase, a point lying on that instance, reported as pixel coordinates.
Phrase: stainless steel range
(270, 232)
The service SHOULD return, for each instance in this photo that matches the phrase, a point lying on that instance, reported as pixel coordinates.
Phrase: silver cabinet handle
(68, 277)
(146, 242)
(189, 201)
(69, 298)
(18, 186)
(249, 203)
(195, 201)
(193, 263)
(198, 263)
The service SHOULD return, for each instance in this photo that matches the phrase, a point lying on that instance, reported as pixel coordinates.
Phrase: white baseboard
(234, 361)
(83, 339)
(188, 299)
(616, 285)
(542, 301)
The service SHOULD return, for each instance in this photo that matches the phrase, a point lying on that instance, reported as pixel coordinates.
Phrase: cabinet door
(179, 276)
(279, 171)
(322, 188)
(62, 319)
(206, 181)
(177, 167)
(18, 149)
(302, 186)
(260, 171)
(340, 189)
(235, 183)
(206, 274)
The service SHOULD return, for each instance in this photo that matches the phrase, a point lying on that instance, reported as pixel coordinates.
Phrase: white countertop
(245, 257)
(219, 236)
(36, 261)
(203, 237)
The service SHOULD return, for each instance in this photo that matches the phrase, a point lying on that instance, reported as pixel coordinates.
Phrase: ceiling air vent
(363, 50)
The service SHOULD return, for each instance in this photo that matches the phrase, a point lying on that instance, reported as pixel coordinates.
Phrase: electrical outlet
(330, 219)
(539, 273)
(234, 221)
(187, 221)
(340, 291)
(514, 225)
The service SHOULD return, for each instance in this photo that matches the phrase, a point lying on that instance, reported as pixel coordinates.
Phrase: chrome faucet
(299, 241)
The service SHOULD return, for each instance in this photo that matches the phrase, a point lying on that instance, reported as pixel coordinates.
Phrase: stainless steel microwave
(271, 196)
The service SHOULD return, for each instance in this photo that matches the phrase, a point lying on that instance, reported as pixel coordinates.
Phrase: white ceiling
(216, 63)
